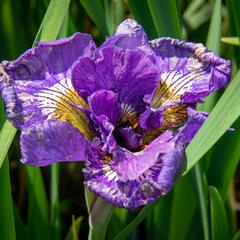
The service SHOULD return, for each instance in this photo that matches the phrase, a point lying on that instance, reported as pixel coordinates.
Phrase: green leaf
(231, 40)
(38, 219)
(219, 224)
(7, 227)
(202, 200)
(137, 220)
(166, 18)
(94, 9)
(224, 163)
(184, 197)
(214, 32)
(137, 9)
(97, 207)
(74, 229)
(237, 236)
(55, 209)
(20, 228)
(52, 20)
(227, 108)
(6, 137)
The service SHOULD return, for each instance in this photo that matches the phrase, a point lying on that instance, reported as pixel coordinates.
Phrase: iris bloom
(126, 108)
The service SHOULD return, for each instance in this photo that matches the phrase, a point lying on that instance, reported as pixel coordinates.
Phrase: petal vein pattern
(60, 101)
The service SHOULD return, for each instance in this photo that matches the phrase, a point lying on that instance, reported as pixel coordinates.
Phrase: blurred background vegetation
(48, 203)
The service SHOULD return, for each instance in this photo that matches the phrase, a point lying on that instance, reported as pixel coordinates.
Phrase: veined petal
(189, 72)
(52, 141)
(129, 73)
(130, 180)
(195, 120)
(37, 86)
(105, 102)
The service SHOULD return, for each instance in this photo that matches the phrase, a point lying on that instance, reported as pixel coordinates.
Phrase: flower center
(127, 138)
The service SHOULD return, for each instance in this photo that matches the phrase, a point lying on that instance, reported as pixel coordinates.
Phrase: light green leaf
(231, 40)
(227, 108)
(6, 137)
(52, 20)
(219, 224)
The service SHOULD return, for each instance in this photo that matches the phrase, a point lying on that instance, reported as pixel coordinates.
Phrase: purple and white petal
(53, 141)
(189, 72)
(131, 180)
(37, 86)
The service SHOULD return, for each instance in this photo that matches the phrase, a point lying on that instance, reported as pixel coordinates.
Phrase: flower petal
(189, 72)
(37, 86)
(130, 35)
(195, 120)
(52, 141)
(130, 180)
(105, 102)
(129, 73)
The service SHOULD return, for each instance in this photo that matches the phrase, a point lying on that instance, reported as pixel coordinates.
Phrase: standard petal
(105, 102)
(131, 180)
(189, 72)
(37, 86)
(130, 73)
(52, 141)
(130, 35)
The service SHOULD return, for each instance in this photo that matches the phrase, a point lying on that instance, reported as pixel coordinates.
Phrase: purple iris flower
(126, 108)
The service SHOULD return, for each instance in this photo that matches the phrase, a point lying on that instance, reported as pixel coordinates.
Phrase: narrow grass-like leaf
(184, 197)
(137, 9)
(202, 200)
(94, 8)
(166, 18)
(214, 32)
(55, 211)
(231, 40)
(38, 219)
(74, 229)
(219, 224)
(227, 108)
(6, 136)
(137, 220)
(7, 227)
(199, 17)
(52, 20)
(224, 162)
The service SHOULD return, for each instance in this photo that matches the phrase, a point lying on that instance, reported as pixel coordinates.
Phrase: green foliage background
(49, 203)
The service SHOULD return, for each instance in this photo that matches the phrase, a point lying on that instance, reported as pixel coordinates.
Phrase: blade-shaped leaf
(166, 18)
(184, 197)
(227, 108)
(219, 224)
(38, 219)
(231, 40)
(52, 20)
